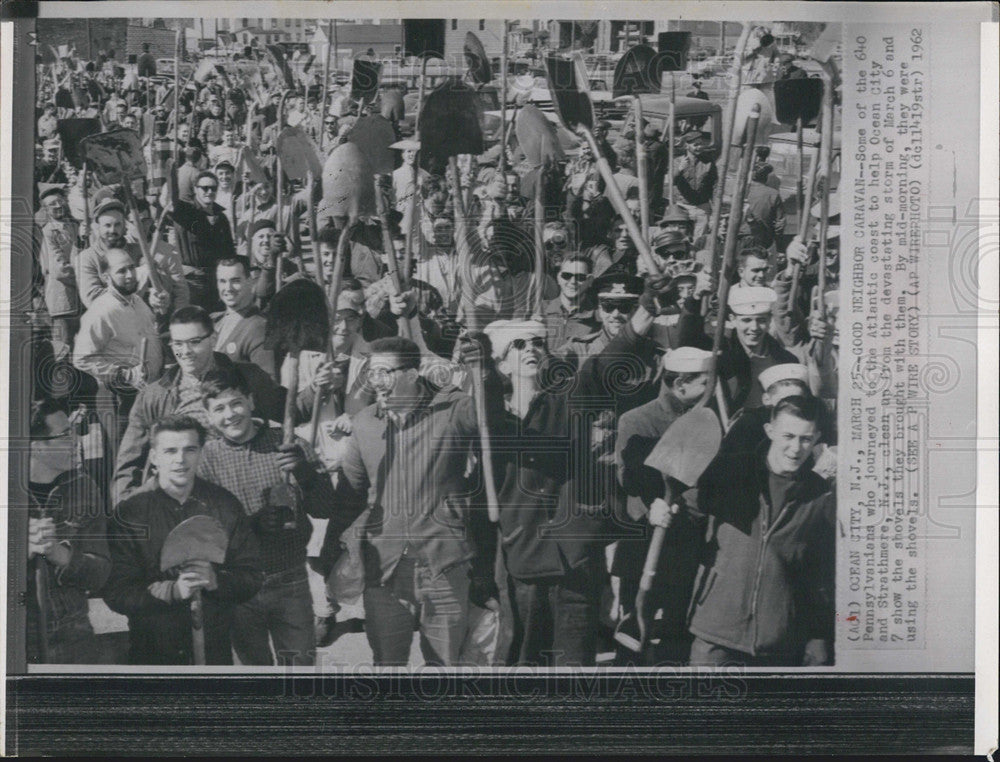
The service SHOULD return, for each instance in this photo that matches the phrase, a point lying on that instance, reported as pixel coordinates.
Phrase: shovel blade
(537, 137)
(638, 71)
(71, 132)
(450, 124)
(114, 156)
(373, 135)
(348, 184)
(570, 98)
(797, 98)
(299, 154)
(199, 538)
(688, 446)
(477, 60)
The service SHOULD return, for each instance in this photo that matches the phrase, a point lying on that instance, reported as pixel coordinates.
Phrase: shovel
(674, 48)
(637, 72)
(576, 112)
(797, 102)
(729, 127)
(116, 157)
(478, 63)
(537, 137)
(199, 538)
(300, 160)
(349, 194)
(692, 441)
(459, 107)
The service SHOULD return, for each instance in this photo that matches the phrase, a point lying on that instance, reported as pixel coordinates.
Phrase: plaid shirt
(249, 470)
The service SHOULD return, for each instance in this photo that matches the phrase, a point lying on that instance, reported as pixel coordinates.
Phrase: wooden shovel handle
(197, 628)
(479, 395)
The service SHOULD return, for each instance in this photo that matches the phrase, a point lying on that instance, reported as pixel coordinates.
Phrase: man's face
(228, 138)
(263, 193)
(327, 254)
(591, 190)
(621, 239)
(183, 133)
(692, 388)
(409, 156)
(231, 414)
(50, 154)
(443, 233)
(754, 272)
(121, 111)
(176, 455)
(573, 279)
(192, 346)
(385, 374)
(792, 442)
(614, 313)
(262, 243)
(346, 324)
(524, 356)
(56, 206)
(225, 176)
(234, 286)
(216, 110)
(110, 228)
(130, 123)
(751, 329)
(671, 257)
(205, 190)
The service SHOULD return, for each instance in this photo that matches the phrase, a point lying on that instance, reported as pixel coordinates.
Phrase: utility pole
(722, 38)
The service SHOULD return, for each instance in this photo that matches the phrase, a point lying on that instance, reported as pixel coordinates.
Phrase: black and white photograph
(353, 346)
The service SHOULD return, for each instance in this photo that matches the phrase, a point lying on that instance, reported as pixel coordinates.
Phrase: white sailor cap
(687, 360)
(752, 300)
(503, 332)
(789, 371)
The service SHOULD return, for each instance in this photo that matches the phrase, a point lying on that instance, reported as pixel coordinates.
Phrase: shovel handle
(479, 392)
(652, 557)
(338, 271)
(197, 628)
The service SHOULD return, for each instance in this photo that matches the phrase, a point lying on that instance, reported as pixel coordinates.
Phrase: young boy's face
(230, 414)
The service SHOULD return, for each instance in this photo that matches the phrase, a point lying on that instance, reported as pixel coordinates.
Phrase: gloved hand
(657, 286)
(470, 350)
(661, 514)
(159, 301)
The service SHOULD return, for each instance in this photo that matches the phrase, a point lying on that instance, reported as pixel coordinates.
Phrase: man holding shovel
(156, 602)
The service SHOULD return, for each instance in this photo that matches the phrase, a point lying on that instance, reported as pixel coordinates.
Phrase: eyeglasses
(617, 305)
(189, 343)
(379, 373)
(555, 243)
(207, 188)
(578, 277)
(538, 342)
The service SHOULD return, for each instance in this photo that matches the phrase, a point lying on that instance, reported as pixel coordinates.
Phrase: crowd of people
(166, 394)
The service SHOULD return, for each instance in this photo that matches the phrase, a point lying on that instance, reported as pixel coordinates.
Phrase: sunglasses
(207, 188)
(578, 277)
(617, 305)
(538, 342)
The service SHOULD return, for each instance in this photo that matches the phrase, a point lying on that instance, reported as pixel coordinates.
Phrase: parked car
(785, 160)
